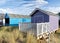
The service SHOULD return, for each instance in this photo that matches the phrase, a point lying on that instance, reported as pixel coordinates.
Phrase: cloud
(36, 3)
(16, 3)
(19, 10)
(2, 2)
(27, 11)
(21, 7)
(42, 1)
(6, 10)
(2, 10)
(53, 9)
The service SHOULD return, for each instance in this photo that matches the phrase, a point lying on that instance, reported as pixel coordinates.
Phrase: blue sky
(27, 6)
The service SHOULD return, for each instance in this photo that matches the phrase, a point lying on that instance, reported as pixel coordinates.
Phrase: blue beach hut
(15, 19)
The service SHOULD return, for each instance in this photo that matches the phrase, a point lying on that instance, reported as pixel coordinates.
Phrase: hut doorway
(59, 23)
(7, 21)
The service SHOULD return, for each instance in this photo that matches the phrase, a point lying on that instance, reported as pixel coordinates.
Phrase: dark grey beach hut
(38, 16)
(41, 22)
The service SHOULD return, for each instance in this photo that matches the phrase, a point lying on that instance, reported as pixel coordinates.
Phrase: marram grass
(15, 36)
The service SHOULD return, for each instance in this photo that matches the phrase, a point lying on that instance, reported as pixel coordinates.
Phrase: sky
(25, 7)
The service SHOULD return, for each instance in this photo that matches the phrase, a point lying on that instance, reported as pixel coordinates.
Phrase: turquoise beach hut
(15, 19)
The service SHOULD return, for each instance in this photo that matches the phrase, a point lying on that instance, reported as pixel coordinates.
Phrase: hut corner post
(19, 26)
(3, 22)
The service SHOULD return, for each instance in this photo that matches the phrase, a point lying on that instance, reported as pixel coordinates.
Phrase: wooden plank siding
(39, 17)
(42, 28)
(28, 27)
(35, 28)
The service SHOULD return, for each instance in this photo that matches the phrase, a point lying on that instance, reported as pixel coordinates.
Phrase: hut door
(7, 21)
(59, 23)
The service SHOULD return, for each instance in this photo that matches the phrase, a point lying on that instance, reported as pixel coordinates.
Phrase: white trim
(42, 28)
(3, 21)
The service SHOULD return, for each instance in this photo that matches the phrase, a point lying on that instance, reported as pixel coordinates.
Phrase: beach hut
(41, 22)
(7, 19)
(59, 18)
(15, 19)
(40, 16)
(1, 19)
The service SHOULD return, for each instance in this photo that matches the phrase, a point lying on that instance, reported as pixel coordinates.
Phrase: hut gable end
(35, 12)
(38, 16)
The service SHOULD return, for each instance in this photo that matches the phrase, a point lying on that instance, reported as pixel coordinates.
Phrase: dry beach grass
(13, 35)
(10, 36)
(55, 37)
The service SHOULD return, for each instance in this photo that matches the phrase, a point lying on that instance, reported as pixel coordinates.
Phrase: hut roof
(46, 12)
(18, 16)
(13, 16)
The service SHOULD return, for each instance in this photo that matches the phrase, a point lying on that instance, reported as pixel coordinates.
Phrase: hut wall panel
(1, 22)
(18, 20)
(42, 28)
(26, 19)
(15, 20)
(42, 17)
(53, 23)
(28, 27)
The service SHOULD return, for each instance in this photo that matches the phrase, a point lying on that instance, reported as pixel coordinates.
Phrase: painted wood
(54, 23)
(6, 15)
(28, 27)
(39, 17)
(3, 21)
(15, 21)
(42, 28)
(35, 28)
(19, 20)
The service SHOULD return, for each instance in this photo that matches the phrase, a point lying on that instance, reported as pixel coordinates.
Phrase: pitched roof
(46, 12)
(18, 16)
(13, 16)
